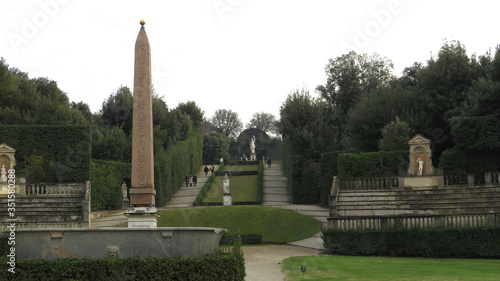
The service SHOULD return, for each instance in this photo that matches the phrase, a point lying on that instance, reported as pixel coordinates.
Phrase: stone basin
(52, 243)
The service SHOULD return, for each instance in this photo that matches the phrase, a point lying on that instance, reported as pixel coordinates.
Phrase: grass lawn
(243, 189)
(275, 225)
(239, 168)
(386, 268)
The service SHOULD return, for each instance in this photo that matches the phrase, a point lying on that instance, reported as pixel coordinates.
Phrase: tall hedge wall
(373, 164)
(50, 153)
(183, 158)
(170, 169)
(454, 161)
(107, 178)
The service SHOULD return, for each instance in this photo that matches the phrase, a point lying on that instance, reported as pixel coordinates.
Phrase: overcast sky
(242, 55)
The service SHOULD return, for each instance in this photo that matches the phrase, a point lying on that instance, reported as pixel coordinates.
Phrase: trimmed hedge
(228, 265)
(107, 178)
(454, 161)
(50, 153)
(373, 164)
(429, 243)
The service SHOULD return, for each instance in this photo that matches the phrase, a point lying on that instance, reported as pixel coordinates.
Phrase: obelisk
(142, 212)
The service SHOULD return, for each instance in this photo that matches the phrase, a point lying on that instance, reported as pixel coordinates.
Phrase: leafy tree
(351, 75)
(395, 136)
(227, 123)
(303, 124)
(263, 121)
(193, 111)
(116, 111)
(215, 146)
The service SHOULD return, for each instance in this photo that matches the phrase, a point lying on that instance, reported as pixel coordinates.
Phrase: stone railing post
(470, 180)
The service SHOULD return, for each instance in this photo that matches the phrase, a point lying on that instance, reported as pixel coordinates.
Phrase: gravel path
(263, 263)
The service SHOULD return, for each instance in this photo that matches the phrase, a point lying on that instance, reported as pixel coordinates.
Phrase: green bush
(64, 150)
(372, 164)
(454, 161)
(430, 243)
(222, 265)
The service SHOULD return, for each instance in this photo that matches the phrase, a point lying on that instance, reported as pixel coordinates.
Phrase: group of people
(208, 169)
(191, 180)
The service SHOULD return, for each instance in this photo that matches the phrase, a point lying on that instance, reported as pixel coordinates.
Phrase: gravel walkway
(263, 263)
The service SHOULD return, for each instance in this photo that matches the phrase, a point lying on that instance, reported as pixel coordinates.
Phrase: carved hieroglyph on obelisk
(142, 192)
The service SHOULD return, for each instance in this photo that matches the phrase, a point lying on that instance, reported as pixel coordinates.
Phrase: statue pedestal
(433, 181)
(142, 217)
(227, 200)
(253, 156)
(126, 202)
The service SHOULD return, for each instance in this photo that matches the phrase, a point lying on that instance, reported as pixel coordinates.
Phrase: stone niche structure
(7, 159)
(421, 172)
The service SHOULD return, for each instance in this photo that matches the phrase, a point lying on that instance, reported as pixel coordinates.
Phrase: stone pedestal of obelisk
(142, 211)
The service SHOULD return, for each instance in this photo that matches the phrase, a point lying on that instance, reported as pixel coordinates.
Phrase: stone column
(142, 212)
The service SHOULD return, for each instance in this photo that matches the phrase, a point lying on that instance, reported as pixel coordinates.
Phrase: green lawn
(239, 168)
(275, 225)
(243, 189)
(386, 268)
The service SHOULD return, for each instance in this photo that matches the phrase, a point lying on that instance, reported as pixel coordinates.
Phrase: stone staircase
(184, 197)
(45, 211)
(447, 201)
(274, 187)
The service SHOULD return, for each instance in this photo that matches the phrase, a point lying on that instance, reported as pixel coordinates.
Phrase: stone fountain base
(117, 242)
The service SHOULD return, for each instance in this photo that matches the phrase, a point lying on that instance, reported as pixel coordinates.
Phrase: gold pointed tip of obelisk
(142, 22)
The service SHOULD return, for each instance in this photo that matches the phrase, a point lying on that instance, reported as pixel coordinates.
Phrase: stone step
(277, 191)
(419, 192)
(275, 198)
(274, 184)
(398, 201)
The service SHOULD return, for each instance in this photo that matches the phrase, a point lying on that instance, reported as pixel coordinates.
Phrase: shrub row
(430, 243)
(373, 164)
(454, 161)
(171, 167)
(50, 153)
(227, 265)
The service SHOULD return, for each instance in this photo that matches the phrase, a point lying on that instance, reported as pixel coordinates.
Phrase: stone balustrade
(368, 183)
(407, 222)
(42, 189)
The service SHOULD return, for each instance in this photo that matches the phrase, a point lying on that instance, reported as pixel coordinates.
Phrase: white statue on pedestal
(225, 184)
(3, 177)
(420, 166)
(252, 144)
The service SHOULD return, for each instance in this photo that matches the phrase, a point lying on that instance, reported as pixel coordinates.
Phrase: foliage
(455, 161)
(435, 243)
(215, 146)
(172, 166)
(243, 220)
(221, 265)
(265, 122)
(34, 101)
(227, 123)
(192, 110)
(478, 133)
(345, 268)
(351, 75)
(372, 164)
(107, 178)
(59, 153)
(328, 169)
(395, 136)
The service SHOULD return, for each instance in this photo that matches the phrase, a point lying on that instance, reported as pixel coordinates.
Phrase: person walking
(206, 170)
(190, 180)
(195, 180)
(212, 168)
(187, 180)
(269, 162)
